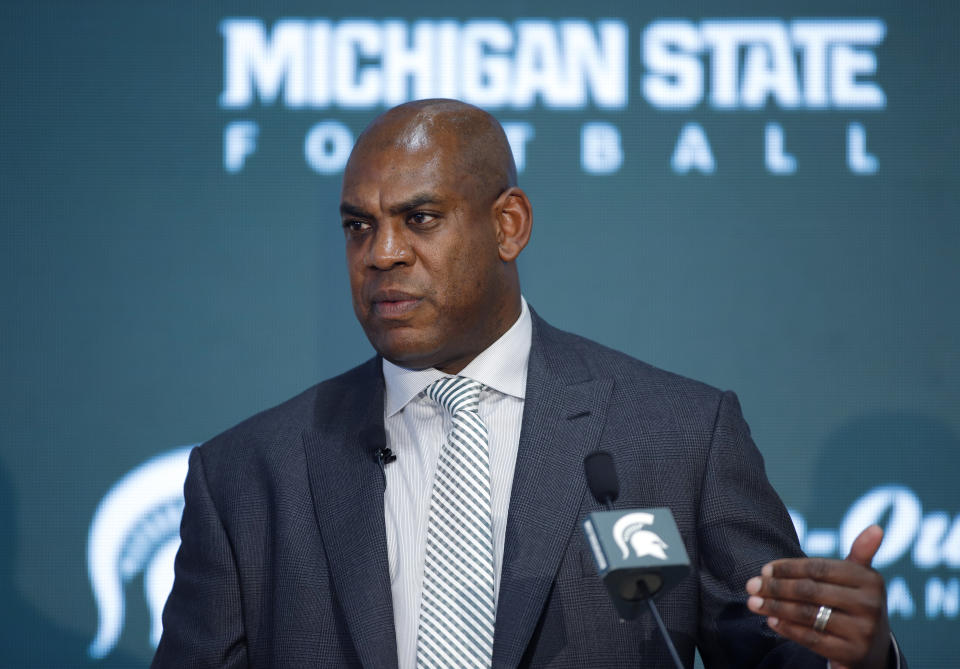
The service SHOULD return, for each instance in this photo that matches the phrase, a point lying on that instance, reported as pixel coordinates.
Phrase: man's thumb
(865, 546)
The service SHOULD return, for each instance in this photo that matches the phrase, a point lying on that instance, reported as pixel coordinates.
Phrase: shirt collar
(501, 366)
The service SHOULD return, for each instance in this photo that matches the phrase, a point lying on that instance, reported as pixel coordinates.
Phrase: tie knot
(456, 393)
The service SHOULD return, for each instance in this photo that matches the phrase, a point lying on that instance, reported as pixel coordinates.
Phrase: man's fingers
(865, 546)
(848, 573)
(813, 594)
(832, 647)
(839, 624)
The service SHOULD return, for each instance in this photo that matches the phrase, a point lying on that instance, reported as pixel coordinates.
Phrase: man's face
(428, 284)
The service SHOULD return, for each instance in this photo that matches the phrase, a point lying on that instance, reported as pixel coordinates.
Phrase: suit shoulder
(662, 400)
(603, 361)
(283, 424)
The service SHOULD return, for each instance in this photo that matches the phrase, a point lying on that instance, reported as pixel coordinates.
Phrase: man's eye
(353, 225)
(422, 218)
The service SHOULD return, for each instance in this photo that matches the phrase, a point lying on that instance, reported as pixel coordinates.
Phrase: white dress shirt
(416, 428)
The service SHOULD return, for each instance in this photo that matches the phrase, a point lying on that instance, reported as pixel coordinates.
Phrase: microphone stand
(642, 587)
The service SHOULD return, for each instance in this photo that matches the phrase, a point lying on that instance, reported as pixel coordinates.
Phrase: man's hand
(791, 592)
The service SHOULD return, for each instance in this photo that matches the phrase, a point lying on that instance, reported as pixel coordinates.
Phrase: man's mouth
(393, 303)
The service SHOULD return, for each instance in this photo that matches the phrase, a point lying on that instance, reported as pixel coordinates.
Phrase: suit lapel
(564, 414)
(348, 485)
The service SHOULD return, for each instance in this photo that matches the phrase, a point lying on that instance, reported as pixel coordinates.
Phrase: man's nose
(389, 248)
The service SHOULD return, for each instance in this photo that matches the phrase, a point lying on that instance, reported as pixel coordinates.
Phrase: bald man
(311, 531)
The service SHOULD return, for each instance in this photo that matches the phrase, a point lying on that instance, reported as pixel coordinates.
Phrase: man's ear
(514, 222)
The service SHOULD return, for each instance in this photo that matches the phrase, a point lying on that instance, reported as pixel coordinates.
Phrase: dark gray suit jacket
(284, 556)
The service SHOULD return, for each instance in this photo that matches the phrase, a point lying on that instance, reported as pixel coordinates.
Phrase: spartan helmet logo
(136, 528)
(629, 530)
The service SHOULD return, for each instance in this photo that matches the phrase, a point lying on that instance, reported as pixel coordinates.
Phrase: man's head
(434, 222)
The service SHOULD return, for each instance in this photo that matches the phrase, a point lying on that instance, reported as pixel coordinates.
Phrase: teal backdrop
(763, 197)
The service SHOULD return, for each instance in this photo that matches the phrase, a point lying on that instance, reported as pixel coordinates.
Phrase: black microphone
(602, 477)
(385, 456)
(375, 438)
(639, 552)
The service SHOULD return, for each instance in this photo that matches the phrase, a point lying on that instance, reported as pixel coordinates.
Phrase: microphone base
(630, 589)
